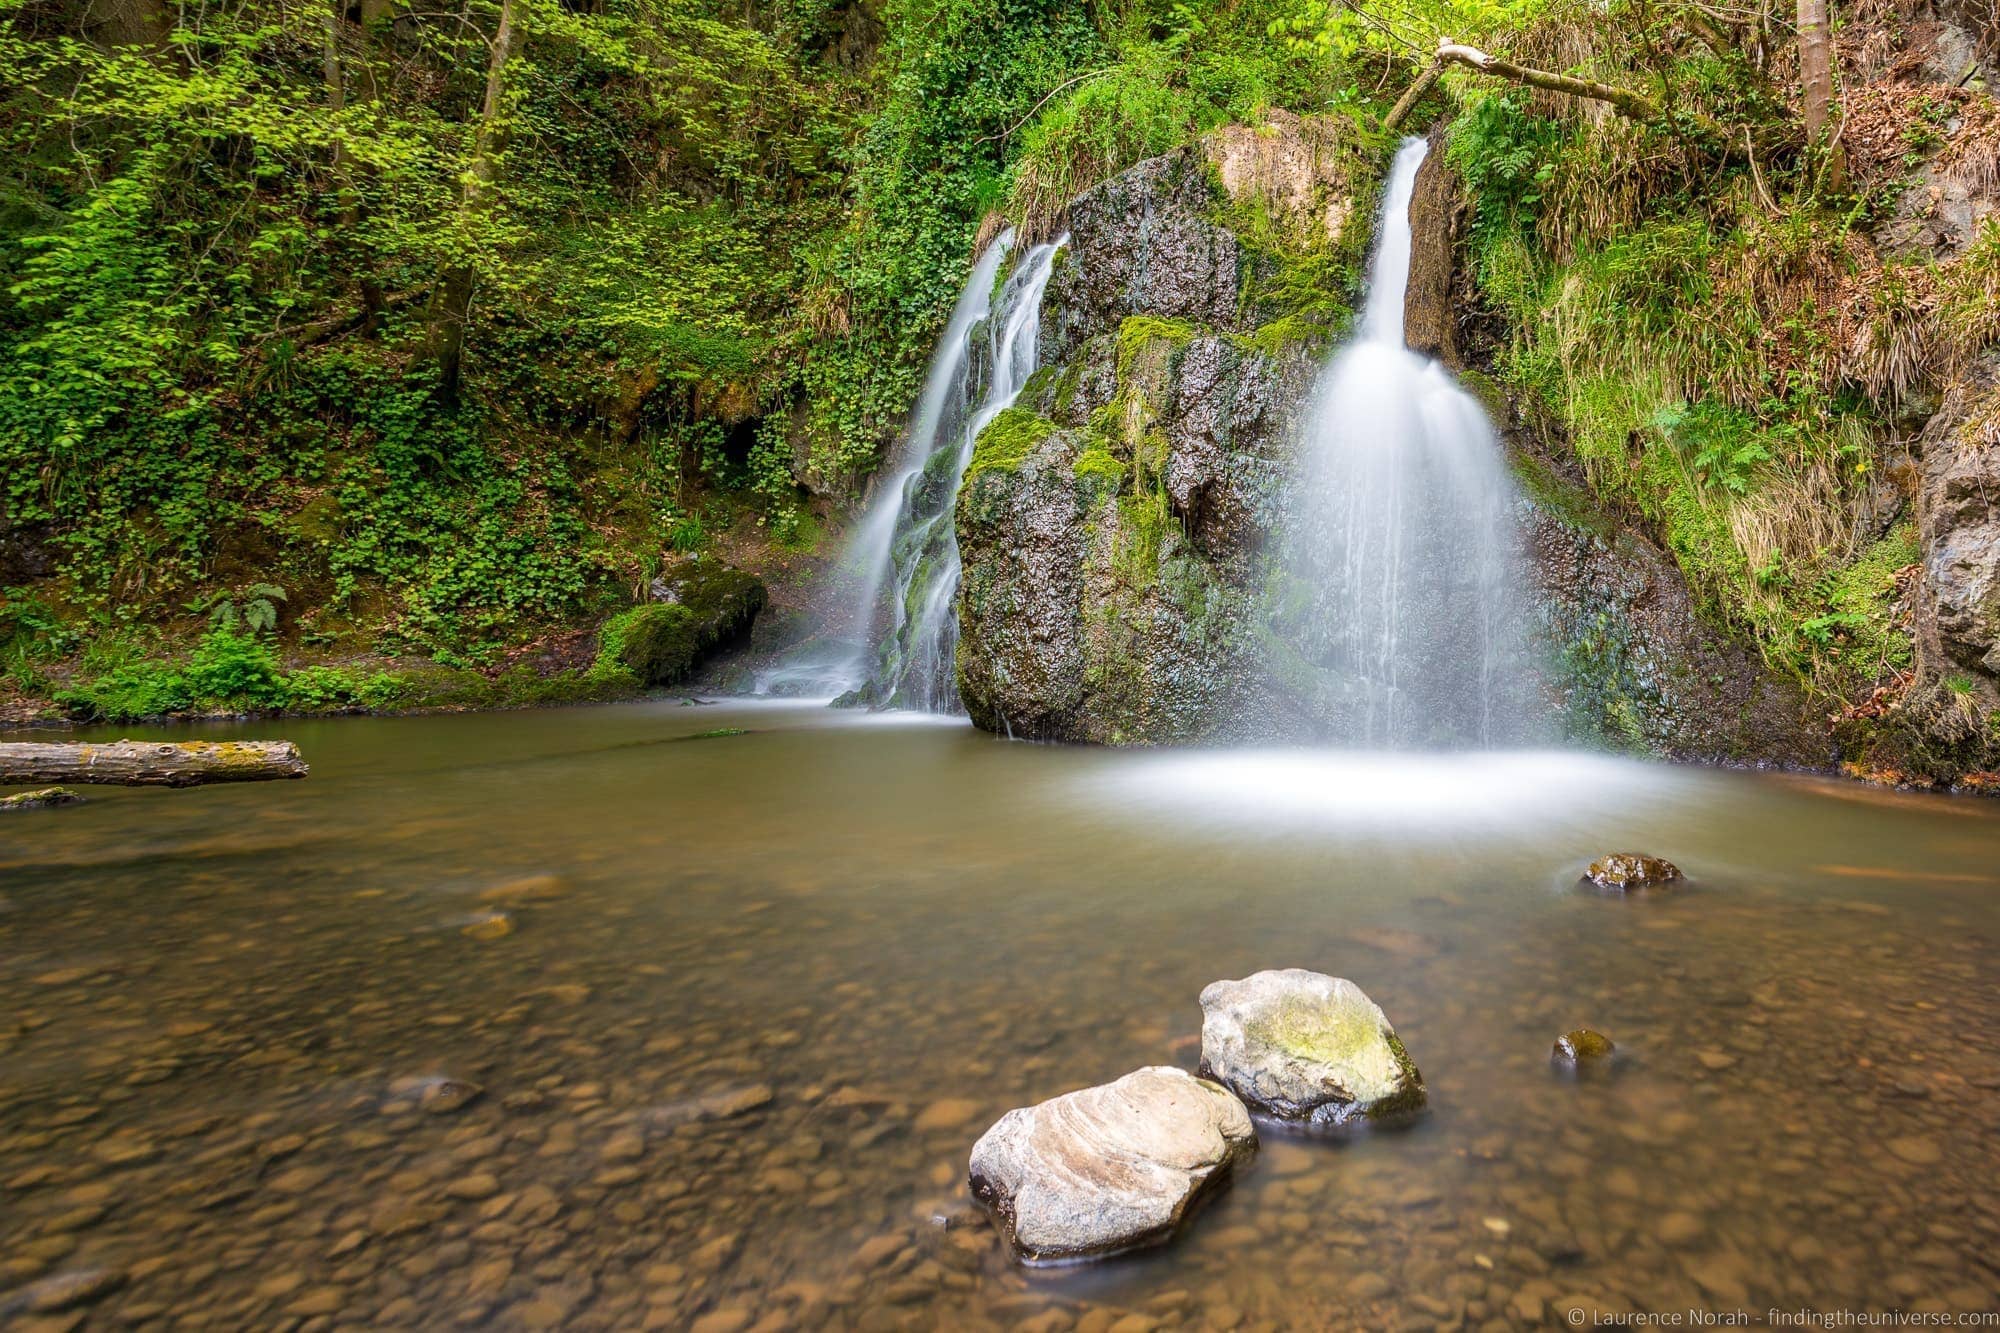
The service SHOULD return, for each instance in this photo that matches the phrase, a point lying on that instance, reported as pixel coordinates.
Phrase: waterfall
(1404, 552)
(836, 665)
(907, 540)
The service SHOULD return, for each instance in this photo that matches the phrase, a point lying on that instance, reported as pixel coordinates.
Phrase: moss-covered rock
(47, 798)
(1582, 1049)
(1303, 1046)
(700, 608)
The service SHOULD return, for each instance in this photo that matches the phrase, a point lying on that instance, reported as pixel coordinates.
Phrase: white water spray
(1406, 542)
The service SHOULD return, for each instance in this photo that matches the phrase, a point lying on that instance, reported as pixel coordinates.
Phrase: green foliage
(220, 274)
(1671, 326)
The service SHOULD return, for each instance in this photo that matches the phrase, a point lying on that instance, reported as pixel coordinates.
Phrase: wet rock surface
(709, 1095)
(1112, 575)
(1633, 665)
(1947, 723)
(1108, 1169)
(1303, 1046)
(43, 798)
(1622, 872)
(1581, 1049)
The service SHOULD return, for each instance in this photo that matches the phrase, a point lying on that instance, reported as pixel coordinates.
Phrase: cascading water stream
(837, 664)
(916, 668)
(904, 625)
(1406, 542)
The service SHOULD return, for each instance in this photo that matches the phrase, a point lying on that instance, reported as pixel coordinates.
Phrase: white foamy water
(1406, 541)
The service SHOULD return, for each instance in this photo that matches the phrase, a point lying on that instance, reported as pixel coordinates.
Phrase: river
(676, 1016)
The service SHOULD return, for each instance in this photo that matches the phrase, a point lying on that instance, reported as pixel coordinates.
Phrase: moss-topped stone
(48, 798)
(1306, 1047)
(698, 609)
(1580, 1049)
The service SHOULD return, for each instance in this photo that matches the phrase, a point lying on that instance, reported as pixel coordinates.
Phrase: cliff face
(1112, 523)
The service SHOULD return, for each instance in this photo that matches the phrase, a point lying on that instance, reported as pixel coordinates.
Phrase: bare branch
(1630, 103)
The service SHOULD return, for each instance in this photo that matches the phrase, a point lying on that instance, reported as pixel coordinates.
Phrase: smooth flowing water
(842, 659)
(1407, 533)
(905, 622)
(767, 970)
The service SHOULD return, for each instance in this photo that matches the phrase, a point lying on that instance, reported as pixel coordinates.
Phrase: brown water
(739, 1041)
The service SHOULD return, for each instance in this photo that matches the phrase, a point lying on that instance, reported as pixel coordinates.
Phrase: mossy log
(150, 763)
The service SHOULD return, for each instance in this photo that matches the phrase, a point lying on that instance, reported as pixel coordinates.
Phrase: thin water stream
(760, 990)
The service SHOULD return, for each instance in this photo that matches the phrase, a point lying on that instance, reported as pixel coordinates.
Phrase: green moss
(1143, 521)
(1097, 463)
(1137, 332)
(1311, 331)
(661, 643)
(1007, 441)
(656, 643)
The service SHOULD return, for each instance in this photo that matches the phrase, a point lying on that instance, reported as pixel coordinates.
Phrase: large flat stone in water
(1303, 1046)
(1110, 1168)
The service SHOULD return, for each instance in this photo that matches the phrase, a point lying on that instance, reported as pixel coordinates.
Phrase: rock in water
(1304, 1046)
(1582, 1048)
(48, 798)
(1625, 871)
(1110, 1168)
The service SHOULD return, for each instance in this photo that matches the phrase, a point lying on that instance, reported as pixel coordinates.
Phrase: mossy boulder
(1306, 1047)
(697, 610)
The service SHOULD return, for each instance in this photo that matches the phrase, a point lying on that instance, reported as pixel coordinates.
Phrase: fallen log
(150, 763)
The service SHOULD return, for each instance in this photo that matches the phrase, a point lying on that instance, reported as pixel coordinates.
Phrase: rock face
(1111, 526)
(1947, 724)
(1111, 1168)
(1624, 871)
(1307, 1047)
(1630, 662)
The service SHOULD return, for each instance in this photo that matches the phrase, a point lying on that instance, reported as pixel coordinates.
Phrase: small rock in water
(1622, 872)
(488, 926)
(1110, 1168)
(1304, 1046)
(1582, 1048)
(48, 798)
(446, 1095)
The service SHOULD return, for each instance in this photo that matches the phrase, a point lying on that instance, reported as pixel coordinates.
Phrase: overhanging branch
(1624, 99)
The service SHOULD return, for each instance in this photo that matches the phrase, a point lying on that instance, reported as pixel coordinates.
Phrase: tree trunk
(451, 303)
(1815, 66)
(132, 23)
(1413, 94)
(150, 763)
